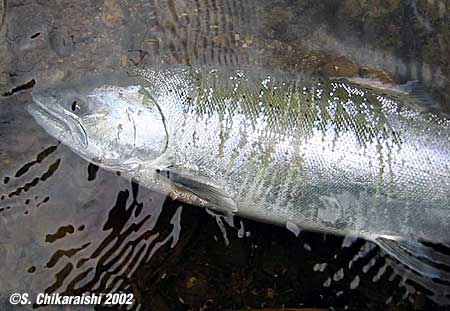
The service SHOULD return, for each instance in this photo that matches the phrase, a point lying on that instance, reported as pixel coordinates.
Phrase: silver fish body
(273, 146)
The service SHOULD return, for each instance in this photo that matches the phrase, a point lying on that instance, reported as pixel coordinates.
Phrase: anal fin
(418, 257)
(430, 267)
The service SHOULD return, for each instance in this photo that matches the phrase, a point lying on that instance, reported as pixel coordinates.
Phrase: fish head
(108, 121)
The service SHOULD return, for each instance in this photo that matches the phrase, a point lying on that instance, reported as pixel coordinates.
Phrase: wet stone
(60, 42)
(341, 67)
(113, 15)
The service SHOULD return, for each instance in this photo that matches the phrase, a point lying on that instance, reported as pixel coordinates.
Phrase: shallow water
(69, 227)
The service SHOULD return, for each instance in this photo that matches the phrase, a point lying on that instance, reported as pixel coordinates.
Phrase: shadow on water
(67, 226)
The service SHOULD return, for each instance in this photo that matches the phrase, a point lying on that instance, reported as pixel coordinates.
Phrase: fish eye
(76, 106)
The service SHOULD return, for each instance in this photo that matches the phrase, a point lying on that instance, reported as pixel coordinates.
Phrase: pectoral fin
(215, 198)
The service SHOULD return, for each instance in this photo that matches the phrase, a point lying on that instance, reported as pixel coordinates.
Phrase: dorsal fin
(412, 92)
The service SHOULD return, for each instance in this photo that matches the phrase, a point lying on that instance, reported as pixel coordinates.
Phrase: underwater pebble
(293, 228)
(380, 272)
(320, 267)
(348, 241)
(241, 230)
(338, 275)
(355, 283)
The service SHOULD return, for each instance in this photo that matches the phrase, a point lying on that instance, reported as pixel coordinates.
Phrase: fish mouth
(62, 120)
